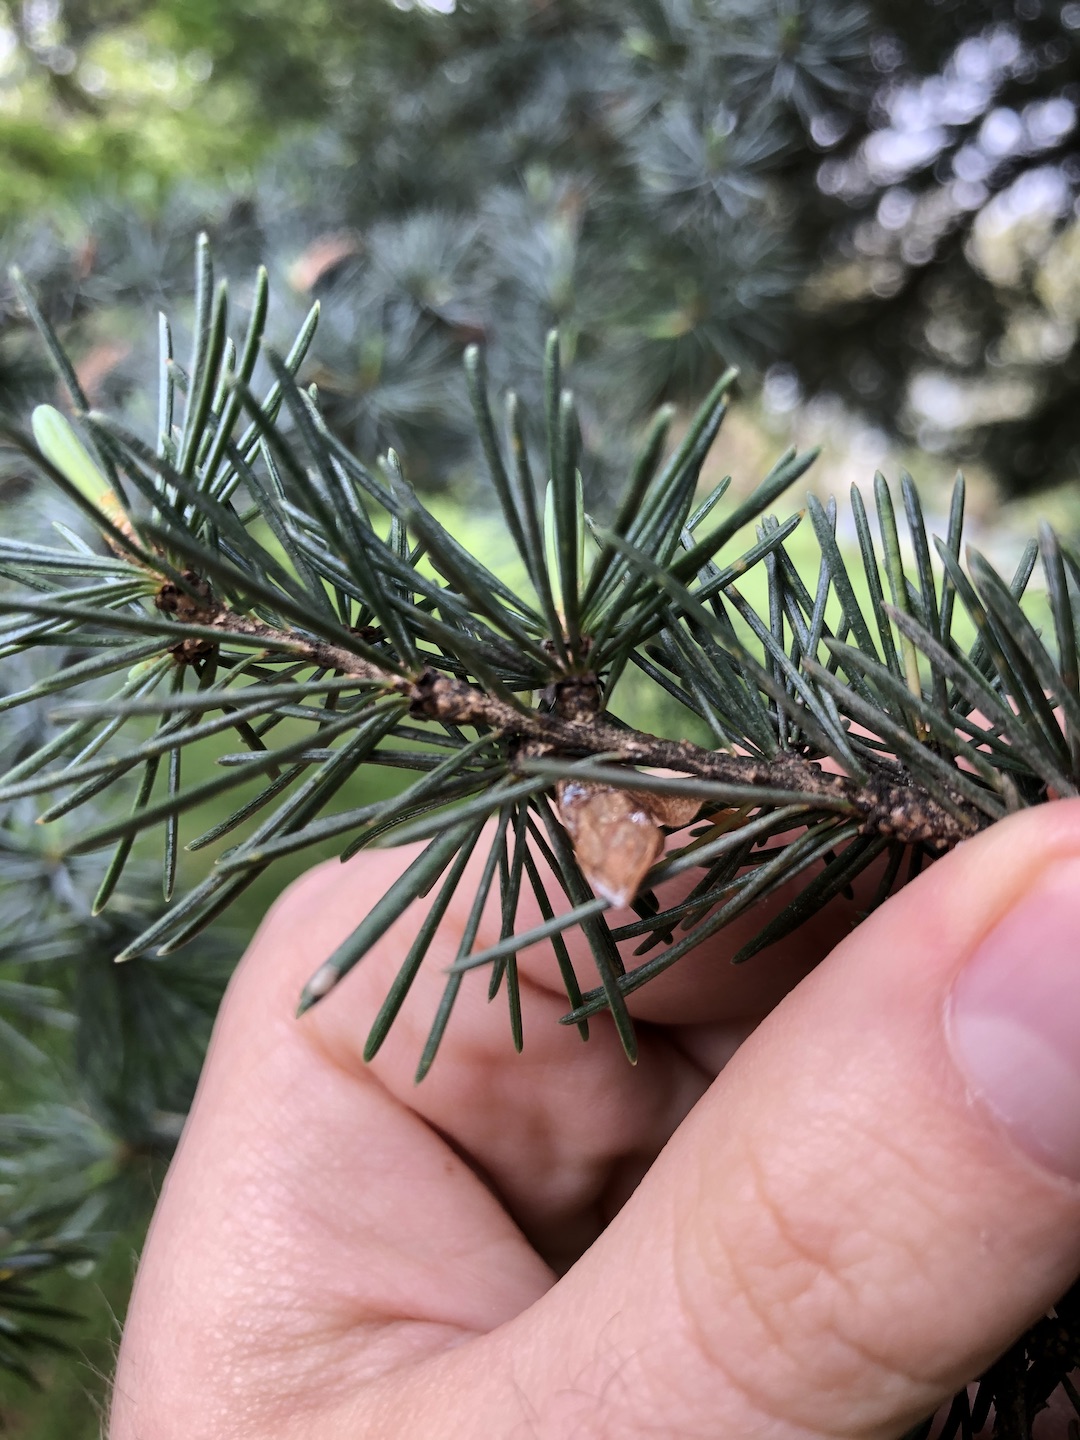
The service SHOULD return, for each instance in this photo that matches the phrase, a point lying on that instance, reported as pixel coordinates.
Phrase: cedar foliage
(678, 185)
(245, 574)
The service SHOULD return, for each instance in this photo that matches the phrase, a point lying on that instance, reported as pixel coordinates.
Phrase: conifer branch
(890, 804)
(373, 629)
(265, 581)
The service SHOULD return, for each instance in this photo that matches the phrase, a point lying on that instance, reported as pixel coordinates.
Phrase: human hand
(829, 1237)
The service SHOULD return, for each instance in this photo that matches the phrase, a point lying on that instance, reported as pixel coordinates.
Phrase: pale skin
(824, 1237)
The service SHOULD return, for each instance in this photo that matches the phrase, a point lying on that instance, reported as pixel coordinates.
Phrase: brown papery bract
(617, 834)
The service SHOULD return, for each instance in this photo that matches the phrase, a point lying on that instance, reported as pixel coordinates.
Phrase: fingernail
(1014, 1021)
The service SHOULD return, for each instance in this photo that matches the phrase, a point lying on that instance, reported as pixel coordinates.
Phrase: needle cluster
(250, 576)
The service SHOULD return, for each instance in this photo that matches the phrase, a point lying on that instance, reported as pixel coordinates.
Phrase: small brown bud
(616, 833)
(616, 840)
(172, 600)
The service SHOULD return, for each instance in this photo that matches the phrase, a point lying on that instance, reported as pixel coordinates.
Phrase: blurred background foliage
(864, 200)
(868, 205)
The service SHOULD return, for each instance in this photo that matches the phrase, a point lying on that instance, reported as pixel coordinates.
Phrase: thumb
(879, 1193)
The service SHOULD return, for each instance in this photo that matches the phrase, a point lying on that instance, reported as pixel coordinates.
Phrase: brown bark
(889, 804)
